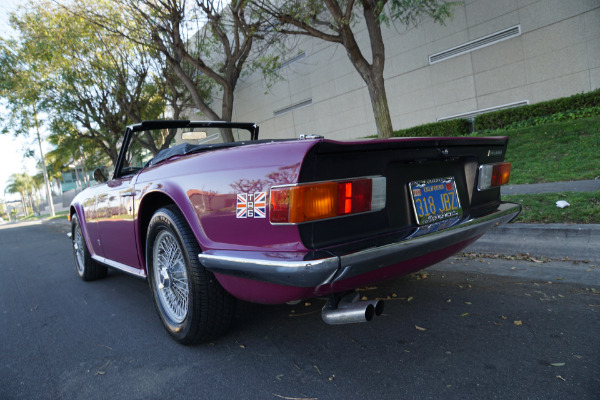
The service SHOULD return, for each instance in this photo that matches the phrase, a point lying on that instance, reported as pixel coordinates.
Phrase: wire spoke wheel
(172, 284)
(86, 267)
(192, 305)
(79, 250)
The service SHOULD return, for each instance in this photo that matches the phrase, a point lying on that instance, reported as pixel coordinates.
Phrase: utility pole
(48, 192)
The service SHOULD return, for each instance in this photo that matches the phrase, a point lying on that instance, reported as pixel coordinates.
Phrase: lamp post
(48, 192)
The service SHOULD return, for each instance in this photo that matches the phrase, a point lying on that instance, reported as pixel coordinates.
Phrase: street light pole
(48, 192)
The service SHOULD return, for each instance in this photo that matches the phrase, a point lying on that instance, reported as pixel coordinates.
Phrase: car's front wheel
(191, 304)
(87, 268)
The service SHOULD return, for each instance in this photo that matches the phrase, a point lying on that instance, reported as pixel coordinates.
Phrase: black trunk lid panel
(401, 162)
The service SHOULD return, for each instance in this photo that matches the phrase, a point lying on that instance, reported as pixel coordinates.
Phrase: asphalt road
(526, 330)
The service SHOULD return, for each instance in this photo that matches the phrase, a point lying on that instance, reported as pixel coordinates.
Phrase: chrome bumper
(291, 270)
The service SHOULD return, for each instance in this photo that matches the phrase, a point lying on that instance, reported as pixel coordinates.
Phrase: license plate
(435, 200)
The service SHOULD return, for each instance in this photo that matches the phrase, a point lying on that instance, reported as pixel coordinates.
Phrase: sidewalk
(556, 241)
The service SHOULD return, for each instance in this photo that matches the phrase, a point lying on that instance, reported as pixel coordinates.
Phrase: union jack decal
(260, 205)
(242, 205)
(251, 205)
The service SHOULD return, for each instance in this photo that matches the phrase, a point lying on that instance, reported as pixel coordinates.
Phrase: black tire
(87, 268)
(191, 303)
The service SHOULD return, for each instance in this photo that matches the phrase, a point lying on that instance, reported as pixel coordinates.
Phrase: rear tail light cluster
(493, 175)
(323, 200)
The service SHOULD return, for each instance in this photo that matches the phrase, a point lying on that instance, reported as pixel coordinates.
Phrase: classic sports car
(276, 221)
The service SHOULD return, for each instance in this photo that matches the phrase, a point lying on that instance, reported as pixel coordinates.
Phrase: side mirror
(99, 175)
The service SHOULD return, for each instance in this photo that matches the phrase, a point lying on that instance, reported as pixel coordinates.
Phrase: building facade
(493, 54)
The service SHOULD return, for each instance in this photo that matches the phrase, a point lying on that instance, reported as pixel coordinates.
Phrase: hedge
(573, 107)
(547, 119)
(453, 127)
(503, 118)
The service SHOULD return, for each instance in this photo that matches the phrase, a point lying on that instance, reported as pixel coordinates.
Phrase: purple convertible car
(276, 221)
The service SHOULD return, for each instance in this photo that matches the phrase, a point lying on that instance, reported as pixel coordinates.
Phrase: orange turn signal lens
(312, 202)
(322, 200)
(493, 175)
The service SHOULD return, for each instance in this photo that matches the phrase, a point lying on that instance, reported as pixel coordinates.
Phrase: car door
(116, 223)
(116, 213)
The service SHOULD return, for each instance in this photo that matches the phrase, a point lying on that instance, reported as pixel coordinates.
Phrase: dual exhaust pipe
(349, 310)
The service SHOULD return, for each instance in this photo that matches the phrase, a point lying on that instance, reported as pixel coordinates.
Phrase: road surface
(469, 328)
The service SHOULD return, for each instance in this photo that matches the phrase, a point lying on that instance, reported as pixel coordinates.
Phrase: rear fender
(151, 201)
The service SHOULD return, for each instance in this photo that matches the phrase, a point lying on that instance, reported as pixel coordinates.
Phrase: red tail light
(323, 200)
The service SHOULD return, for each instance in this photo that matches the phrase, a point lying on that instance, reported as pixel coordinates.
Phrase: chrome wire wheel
(78, 247)
(191, 304)
(171, 282)
(85, 265)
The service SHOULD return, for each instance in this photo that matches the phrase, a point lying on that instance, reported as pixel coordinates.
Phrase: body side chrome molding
(125, 268)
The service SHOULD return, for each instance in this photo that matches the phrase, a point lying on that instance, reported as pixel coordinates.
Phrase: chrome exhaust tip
(350, 314)
(350, 311)
(379, 306)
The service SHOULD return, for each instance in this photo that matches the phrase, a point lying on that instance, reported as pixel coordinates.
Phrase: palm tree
(23, 185)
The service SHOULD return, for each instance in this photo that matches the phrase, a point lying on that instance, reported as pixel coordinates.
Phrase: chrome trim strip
(125, 268)
(272, 267)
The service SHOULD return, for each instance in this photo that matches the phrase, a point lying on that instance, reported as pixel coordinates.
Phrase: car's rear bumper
(291, 270)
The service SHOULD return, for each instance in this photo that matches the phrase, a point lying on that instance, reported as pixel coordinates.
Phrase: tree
(206, 46)
(23, 185)
(102, 82)
(20, 86)
(336, 21)
(90, 84)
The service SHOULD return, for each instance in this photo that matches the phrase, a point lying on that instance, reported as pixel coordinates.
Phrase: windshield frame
(166, 124)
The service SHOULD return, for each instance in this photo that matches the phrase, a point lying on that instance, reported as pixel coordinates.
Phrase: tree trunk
(30, 198)
(24, 204)
(227, 113)
(372, 73)
(77, 182)
(381, 111)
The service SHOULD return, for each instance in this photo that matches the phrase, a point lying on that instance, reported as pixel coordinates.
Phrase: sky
(12, 149)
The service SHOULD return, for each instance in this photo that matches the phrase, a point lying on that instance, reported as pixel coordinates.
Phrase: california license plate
(435, 200)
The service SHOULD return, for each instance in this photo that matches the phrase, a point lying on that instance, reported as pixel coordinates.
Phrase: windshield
(155, 141)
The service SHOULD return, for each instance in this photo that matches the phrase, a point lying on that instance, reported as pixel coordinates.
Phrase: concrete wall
(557, 54)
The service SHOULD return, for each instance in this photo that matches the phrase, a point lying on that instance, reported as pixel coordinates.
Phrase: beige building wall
(555, 53)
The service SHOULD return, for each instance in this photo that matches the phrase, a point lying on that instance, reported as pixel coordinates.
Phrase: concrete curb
(556, 241)
(553, 187)
(58, 221)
